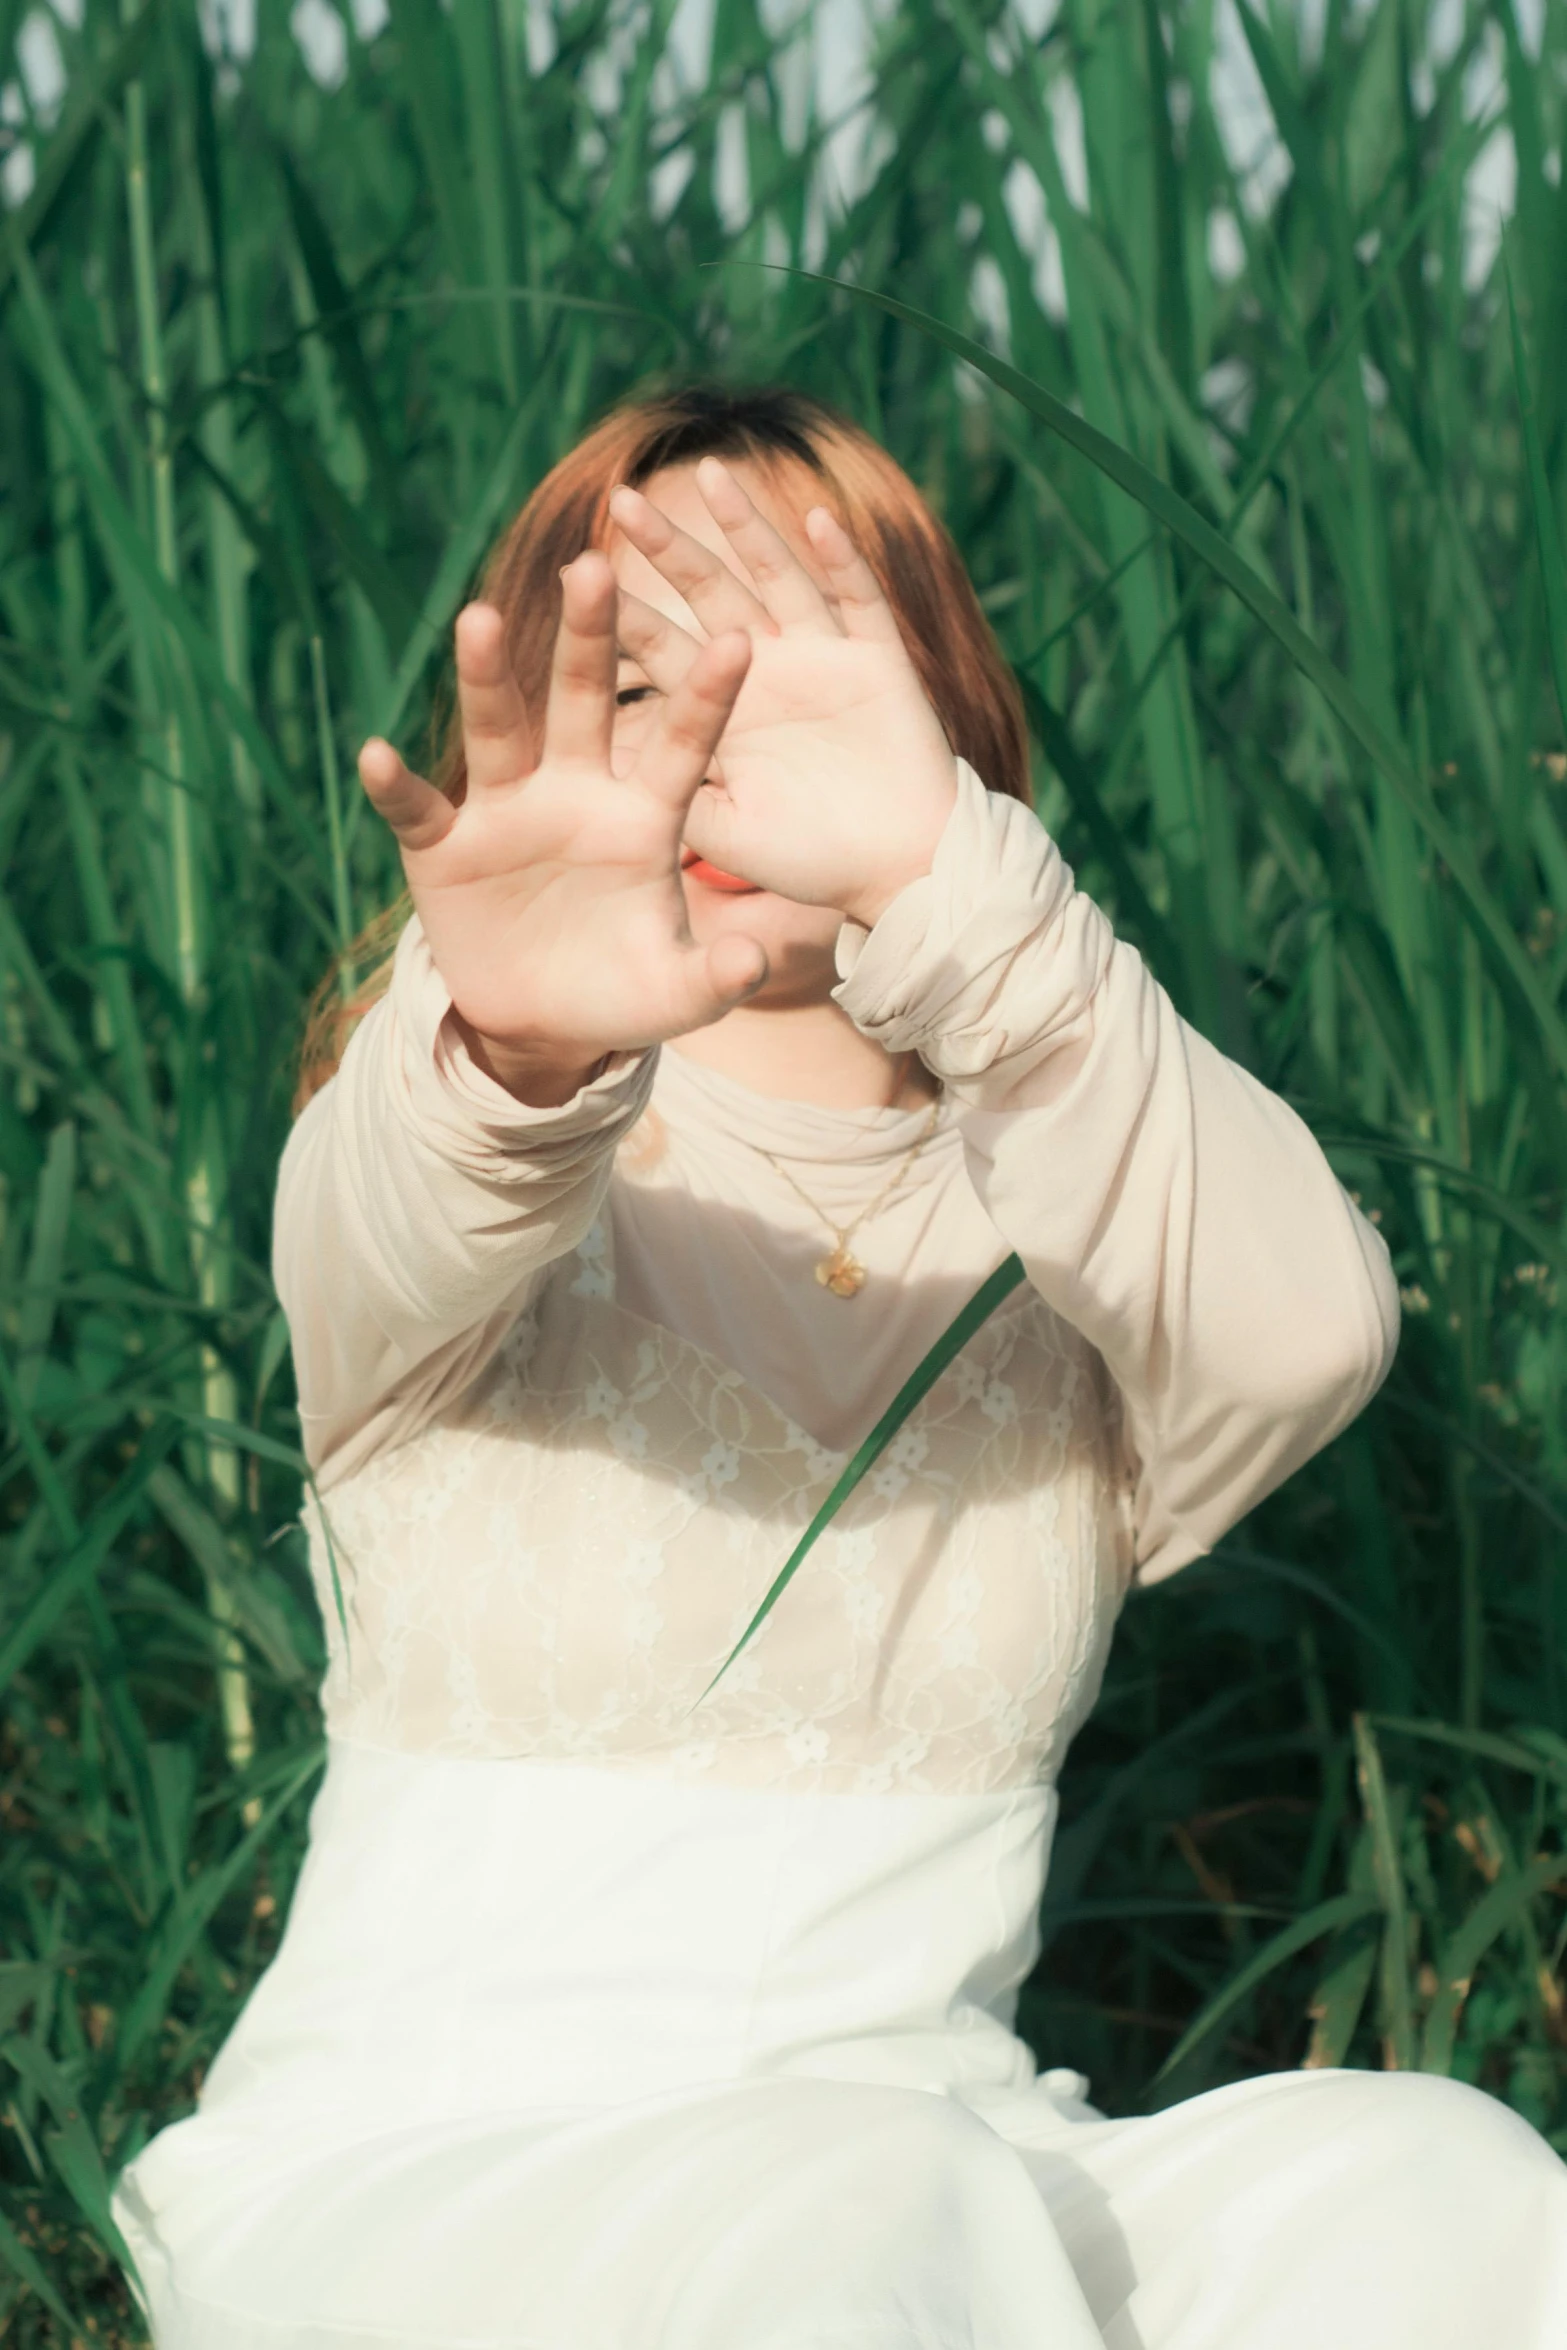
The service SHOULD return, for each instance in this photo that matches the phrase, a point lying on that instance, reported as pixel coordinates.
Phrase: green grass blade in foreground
(1327, 1918)
(1388, 1872)
(1339, 1999)
(69, 2145)
(252, 1610)
(185, 1919)
(1507, 1901)
(268, 1448)
(15, 2258)
(1462, 1181)
(1553, 572)
(1156, 497)
(958, 1332)
(1490, 1745)
(83, 1559)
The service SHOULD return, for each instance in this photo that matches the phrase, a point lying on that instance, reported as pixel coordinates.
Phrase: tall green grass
(276, 360)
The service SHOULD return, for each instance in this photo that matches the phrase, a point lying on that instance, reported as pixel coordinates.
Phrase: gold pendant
(842, 1273)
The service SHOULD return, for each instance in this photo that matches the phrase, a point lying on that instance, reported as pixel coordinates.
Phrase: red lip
(714, 876)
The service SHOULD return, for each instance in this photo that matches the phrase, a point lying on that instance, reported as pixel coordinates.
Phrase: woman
(745, 1020)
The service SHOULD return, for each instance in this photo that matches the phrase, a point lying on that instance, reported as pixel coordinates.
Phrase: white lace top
(572, 1393)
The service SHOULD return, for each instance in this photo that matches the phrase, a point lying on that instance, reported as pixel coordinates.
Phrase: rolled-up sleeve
(417, 1204)
(1161, 1198)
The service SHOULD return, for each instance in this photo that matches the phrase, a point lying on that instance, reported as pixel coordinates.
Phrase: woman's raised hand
(837, 778)
(551, 898)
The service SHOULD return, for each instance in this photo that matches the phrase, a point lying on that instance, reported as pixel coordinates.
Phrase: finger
(782, 581)
(713, 979)
(699, 984)
(862, 608)
(579, 717)
(718, 597)
(497, 738)
(664, 649)
(680, 751)
(418, 814)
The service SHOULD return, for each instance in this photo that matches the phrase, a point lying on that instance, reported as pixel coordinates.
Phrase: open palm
(551, 898)
(833, 778)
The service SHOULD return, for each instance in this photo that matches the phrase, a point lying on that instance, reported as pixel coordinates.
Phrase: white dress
(608, 2020)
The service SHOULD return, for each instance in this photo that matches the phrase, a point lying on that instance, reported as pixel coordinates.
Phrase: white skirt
(554, 2057)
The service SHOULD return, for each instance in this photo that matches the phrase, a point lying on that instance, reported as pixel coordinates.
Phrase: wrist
(540, 1081)
(869, 908)
(913, 863)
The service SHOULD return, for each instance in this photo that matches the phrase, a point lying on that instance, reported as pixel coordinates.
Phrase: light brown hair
(798, 444)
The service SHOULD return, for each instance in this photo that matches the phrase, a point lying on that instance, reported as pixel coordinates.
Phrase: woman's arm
(466, 1138)
(1161, 1198)
(417, 1203)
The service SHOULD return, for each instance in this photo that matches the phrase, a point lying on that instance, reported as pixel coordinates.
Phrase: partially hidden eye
(631, 693)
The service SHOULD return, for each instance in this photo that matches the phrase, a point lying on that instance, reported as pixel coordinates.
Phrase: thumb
(709, 981)
(418, 814)
(736, 968)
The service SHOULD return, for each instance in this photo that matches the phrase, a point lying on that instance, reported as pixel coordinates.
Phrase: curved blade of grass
(1327, 1918)
(267, 1448)
(1006, 1277)
(184, 1921)
(254, 1611)
(15, 2256)
(1490, 1745)
(1450, 1175)
(1506, 1901)
(69, 2145)
(1184, 522)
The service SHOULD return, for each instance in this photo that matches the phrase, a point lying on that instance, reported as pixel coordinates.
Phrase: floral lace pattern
(559, 1565)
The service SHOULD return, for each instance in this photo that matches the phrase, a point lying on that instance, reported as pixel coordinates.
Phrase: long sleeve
(416, 1203)
(1162, 1200)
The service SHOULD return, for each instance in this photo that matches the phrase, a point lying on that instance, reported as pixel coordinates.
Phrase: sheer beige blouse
(570, 1390)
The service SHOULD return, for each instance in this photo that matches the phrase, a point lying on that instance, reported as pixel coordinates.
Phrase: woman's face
(799, 939)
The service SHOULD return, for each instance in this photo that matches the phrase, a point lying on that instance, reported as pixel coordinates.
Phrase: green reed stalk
(205, 1184)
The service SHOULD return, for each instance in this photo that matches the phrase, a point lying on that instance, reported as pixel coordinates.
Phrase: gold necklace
(842, 1272)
